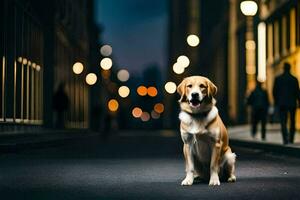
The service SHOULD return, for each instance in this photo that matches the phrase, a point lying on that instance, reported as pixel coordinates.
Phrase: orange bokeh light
(137, 112)
(159, 108)
(142, 90)
(152, 91)
(113, 105)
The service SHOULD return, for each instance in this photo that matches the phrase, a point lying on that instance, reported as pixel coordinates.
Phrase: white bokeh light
(178, 68)
(184, 61)
(106, 63)
(193, 40)
(78, 68)
(249, 8)
(91, 79)
(170, 87)
(124, 91)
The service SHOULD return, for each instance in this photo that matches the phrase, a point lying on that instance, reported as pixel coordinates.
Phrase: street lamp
(249, 9)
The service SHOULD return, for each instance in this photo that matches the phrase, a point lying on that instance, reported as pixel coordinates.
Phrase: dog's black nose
(195, 95)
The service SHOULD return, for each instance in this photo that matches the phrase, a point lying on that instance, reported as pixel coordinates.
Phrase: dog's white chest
(195, 125)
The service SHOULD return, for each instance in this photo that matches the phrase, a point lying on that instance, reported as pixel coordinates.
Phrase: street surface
(138, 167)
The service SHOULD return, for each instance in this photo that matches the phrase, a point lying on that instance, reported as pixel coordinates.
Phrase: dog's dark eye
(202, 86)
(189, 86)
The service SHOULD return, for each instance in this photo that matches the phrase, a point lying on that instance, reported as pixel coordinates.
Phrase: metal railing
(21, 76)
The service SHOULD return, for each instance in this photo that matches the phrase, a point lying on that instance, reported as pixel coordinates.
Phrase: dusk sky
(137, 31)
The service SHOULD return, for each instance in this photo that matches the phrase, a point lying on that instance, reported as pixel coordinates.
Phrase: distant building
(39, 43)
(208, 20)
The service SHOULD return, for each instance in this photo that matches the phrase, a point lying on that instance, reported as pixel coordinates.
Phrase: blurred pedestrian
(259, 102)
(60, 105)
(286, 93)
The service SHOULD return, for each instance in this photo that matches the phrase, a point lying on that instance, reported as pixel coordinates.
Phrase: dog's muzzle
(195, 101)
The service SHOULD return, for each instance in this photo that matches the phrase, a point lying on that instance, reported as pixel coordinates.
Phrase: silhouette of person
(259, 102)
(286, 93)
(60, 105)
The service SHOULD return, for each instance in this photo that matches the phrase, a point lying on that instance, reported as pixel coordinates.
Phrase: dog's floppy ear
(212, 89)
(181, 90)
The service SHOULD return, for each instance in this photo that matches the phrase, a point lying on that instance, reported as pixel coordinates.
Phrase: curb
(268, 147)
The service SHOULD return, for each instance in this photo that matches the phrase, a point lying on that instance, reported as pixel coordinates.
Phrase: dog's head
(196, 90)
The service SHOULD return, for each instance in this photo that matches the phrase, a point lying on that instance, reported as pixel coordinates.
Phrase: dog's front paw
(187, 181)
(232, 178)
(214, 180)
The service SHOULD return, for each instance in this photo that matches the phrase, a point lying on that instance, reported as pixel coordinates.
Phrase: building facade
(39, 43)
(276, 29)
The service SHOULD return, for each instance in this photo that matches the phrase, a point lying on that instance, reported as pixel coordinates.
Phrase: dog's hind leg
(230, 162)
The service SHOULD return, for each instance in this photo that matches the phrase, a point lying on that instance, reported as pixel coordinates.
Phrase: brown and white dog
(206, 151)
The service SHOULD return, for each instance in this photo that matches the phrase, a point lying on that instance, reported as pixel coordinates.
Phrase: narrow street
(138, 167)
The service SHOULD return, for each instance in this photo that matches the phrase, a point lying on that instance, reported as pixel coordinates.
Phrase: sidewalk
(241, 136)
(15, 141)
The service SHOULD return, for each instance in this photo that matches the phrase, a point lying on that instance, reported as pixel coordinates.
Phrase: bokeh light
(24, 61)
(152, 91)
(145, 116)
(159, 108)
(178, 69)
(170, 87)
(137, 112)
(155, 115)
(183, 60)
(193, 40)
(124, 91)
(113, 105)
(33, 65)
(91, 78)
(249, 8)
(38, 68)
(78, 68)
(20, 59)
(106, 50)
(142, 90)
(123, 75)
(106, 63)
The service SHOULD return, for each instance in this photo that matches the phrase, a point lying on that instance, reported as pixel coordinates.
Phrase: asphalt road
(143, 167)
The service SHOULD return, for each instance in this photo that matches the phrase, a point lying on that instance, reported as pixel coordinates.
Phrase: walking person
(60, 105)
(286, 93)
(259, 102)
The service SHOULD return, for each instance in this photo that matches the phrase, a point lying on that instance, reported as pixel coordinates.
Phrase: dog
(205, 140)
